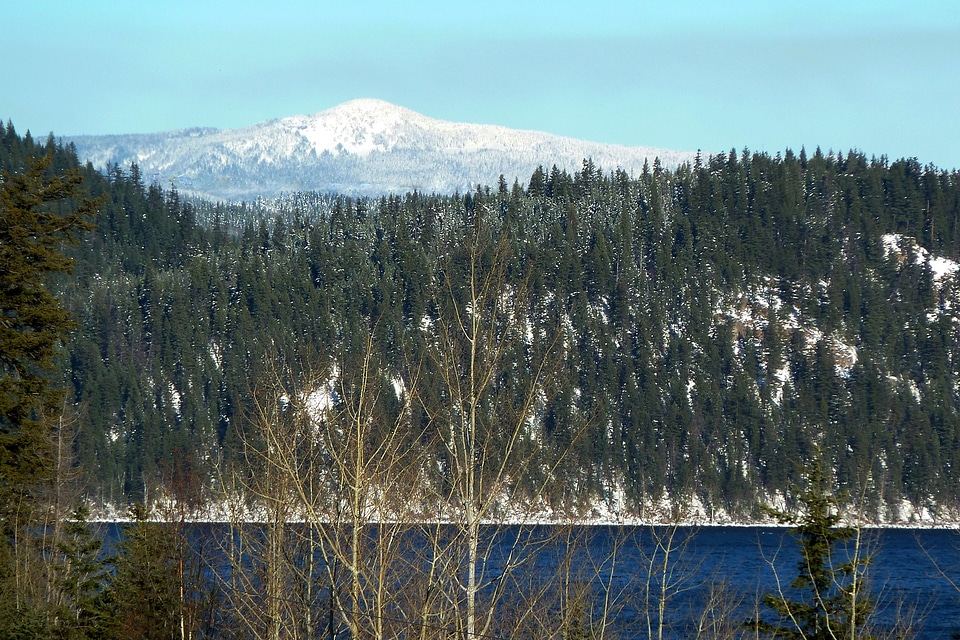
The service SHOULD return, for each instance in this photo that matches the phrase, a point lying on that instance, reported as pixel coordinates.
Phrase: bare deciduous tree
(493, 366)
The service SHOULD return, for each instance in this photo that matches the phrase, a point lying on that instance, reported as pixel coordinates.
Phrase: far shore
(533, 522)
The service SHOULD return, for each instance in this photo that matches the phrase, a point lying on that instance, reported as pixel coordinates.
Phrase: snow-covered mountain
(368, 147)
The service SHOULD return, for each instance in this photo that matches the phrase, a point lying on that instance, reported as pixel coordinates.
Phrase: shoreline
(602, 514)
(682, 524)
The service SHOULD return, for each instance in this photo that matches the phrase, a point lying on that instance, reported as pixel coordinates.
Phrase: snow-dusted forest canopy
(711, 327)
(395, 374)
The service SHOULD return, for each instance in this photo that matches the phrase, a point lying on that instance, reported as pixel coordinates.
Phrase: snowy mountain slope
(367, 147)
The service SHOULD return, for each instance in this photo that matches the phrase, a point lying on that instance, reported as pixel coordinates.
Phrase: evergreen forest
(709, 327)
(739, 338)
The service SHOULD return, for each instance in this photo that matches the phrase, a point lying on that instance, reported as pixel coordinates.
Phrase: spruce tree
(143, 600)
(34, 322)
(82, 578)
(39, 212)
(830, 586)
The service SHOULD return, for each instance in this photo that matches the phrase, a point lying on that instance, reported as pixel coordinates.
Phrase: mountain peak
(359, 127)
(365, 146)
(367, 107)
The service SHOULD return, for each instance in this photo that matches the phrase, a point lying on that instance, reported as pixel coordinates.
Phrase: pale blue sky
(881, 76)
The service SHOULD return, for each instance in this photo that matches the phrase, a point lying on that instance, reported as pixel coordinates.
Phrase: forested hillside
(696, 334)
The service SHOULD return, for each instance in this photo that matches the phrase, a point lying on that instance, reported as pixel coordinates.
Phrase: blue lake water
(909, 578)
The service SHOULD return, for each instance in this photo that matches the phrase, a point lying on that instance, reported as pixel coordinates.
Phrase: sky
(878, 76)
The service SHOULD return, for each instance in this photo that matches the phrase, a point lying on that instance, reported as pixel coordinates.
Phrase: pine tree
(830, 573)
(143, 602)
(39, 212)
(34, 321)
(83, 577)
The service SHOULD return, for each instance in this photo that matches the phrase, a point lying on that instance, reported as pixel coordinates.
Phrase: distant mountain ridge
(361, 147)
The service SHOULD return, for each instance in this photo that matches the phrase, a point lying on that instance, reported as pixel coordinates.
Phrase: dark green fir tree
(829, 599)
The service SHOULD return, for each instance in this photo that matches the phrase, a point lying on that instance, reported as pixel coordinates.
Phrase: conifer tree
(830, 573)
(143, 602)
(83, 577)
(39, 212)
(34, 322)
